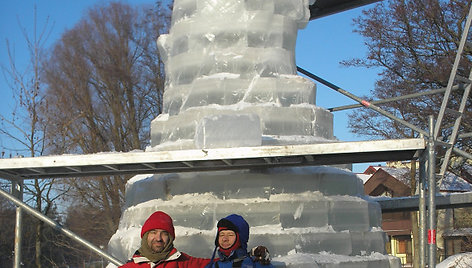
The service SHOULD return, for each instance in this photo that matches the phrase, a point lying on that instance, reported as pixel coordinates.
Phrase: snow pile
(326, 259)
(463, 260)
(452, 182)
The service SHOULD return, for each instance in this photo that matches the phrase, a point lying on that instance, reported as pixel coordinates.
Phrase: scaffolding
(18, 169)
(423, 149)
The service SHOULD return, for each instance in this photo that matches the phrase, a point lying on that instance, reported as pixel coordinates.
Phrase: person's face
(157, 239)
(226, 238)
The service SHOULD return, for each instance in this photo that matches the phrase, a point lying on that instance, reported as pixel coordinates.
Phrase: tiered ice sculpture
(230, 68)
(231, 82)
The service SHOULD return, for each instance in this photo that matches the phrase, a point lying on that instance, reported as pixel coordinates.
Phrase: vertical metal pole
(431, 196)
(422, 211)
(17, 191)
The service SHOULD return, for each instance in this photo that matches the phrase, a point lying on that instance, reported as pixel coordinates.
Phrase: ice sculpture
(231, 81)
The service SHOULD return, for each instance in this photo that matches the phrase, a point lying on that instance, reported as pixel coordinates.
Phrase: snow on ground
(312, 260)
(324, 257)
(463, 260)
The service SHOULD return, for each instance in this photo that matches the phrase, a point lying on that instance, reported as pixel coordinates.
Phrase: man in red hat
(157, 248)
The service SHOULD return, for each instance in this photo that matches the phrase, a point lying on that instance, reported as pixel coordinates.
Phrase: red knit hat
(158, 220)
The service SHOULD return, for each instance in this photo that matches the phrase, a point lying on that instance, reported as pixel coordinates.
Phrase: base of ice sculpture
(306, 216)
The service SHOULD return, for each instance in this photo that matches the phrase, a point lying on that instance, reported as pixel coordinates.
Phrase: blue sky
(320, 47)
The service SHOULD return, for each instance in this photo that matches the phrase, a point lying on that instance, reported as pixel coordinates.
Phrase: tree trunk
(38, 244)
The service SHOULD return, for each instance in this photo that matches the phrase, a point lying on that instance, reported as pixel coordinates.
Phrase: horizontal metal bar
(442, 143)
(410, 203)
(462, 153)
(322, 8)
(453, 112)
(463, 79)
(211, 159)
(404, 97)
(465, 135)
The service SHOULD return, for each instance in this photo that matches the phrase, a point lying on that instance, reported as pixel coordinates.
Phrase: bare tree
(414, 43)
(105, 83)
(27, 130)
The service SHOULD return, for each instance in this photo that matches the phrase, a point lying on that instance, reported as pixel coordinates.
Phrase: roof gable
(381, 182)
(370, 170)
(450, 183)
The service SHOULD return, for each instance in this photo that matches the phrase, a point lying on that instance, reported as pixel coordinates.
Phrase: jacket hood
(238, 224)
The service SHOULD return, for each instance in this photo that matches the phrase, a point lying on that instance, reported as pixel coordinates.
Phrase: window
(403, 244)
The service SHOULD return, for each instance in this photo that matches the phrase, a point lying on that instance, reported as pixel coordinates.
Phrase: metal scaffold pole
(422, 211)
(431, 195)
(17, 191)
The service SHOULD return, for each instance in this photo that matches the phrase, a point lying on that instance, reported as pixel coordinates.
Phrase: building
(394, 180)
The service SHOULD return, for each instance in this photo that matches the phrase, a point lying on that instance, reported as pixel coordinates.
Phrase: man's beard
(157, 246)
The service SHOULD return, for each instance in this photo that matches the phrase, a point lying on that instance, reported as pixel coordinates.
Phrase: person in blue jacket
(231, 244)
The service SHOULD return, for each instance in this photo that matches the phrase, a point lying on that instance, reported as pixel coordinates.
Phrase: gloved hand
(261, 254)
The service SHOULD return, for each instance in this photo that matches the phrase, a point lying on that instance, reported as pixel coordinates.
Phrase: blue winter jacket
(240, 256)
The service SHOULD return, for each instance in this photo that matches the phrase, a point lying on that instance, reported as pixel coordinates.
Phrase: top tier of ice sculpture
(236, 71)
